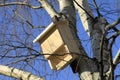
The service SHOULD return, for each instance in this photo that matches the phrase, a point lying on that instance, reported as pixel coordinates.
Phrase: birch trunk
(85, 67)
(95, 28)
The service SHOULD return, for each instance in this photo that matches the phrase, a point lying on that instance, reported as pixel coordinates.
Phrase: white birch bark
(86, 67)
(117, 58)
(17, 73)
(67, 8)
(85, 18)
(48, 8)
(95, 28)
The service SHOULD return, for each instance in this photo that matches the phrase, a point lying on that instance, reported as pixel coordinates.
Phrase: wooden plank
(68, 38)
(60, 59)
(65, 60)
(63, 63)
(51, 42)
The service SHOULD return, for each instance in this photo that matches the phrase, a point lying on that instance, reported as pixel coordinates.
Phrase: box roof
(40, 36)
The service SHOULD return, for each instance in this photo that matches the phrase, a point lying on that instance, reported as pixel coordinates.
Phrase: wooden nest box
(58, 45)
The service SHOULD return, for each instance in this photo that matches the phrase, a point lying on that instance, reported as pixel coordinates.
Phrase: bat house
(58, 44)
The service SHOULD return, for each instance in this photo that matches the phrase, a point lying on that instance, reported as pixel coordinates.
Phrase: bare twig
(96, 7)
(114, 35)
(112, 67)
(24, 46)
(108, 27)
(112, 25)
(34, 26)
(48, 7)
(117, 76)
(101, 51)
(28, 22)
(21, 3)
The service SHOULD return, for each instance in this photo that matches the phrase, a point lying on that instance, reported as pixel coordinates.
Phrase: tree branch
(27, 21)
(111, 61)
(110, 73)
(21, 3)
(85, 14)
(84, 9)
(19, 74)
(112, 25)
(34, 26)
(51, 11)
(96, 7)
(117, 58)
(114, 35)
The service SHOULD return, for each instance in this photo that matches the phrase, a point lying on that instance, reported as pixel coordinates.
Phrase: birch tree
(16, 47)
